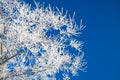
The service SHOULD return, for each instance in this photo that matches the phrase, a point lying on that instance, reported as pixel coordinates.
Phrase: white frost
(28, 47)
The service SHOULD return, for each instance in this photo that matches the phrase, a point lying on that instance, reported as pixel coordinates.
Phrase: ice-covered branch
(38, 43)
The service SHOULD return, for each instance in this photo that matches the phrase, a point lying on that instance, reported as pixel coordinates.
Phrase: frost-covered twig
(38, 43)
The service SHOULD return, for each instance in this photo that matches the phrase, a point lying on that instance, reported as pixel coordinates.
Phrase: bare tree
(38, 43)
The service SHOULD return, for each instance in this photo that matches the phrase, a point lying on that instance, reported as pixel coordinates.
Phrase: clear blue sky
(101, 35)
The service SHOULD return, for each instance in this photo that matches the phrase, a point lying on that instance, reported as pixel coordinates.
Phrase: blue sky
(101, 35)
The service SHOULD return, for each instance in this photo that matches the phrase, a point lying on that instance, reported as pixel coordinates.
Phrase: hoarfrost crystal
(38, 43)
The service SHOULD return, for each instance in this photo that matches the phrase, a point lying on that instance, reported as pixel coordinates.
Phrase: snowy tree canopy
(39, 43)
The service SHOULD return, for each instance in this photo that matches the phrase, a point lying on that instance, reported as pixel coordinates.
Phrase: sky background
(101, 35)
